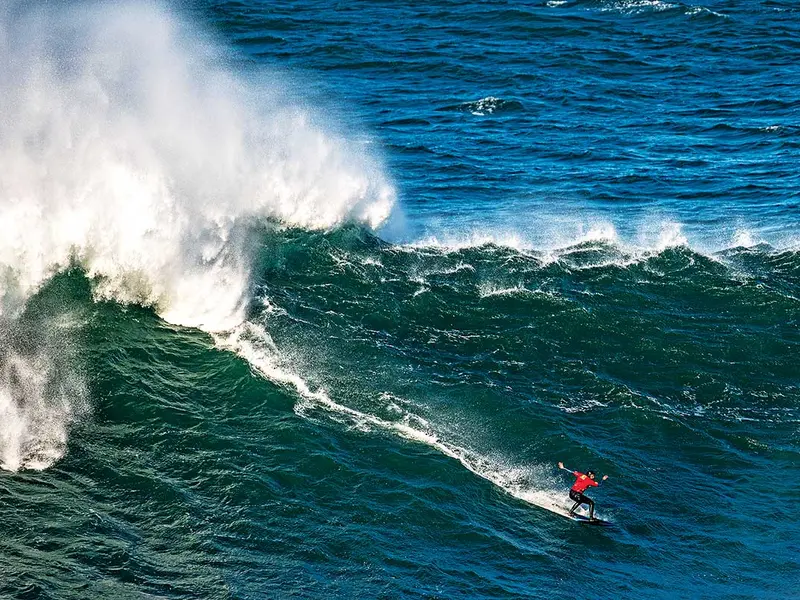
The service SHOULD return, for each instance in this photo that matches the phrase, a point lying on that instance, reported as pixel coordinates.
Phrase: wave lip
(551, 239)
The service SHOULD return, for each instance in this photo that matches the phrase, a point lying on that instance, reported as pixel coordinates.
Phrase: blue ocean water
(542, 119)
(307, 300)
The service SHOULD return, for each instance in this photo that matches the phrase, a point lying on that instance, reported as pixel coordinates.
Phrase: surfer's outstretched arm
(561, 466)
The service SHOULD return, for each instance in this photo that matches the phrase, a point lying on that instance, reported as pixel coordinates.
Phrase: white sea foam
(556, 238)
(41, 393)
(702, 10)
(127, 146)
(462, 266)
(251, 342)
(744, 238)
(560, 240)
(484, 106)
(420, 291)
(599, 232)
(637, 6)
(670, 236)
(457, 241)
(487, 290)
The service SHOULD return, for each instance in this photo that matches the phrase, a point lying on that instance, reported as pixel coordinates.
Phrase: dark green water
(195, 476)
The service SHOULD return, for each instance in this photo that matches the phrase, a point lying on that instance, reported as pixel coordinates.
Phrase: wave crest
(126, 142)
(42, 393)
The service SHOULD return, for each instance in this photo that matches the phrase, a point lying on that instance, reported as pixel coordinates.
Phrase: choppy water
(308, 300)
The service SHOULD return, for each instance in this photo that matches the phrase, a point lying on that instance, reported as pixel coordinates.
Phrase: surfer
(582, 481)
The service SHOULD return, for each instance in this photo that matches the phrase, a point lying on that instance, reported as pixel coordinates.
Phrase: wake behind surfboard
(547, 500)
(588, 521)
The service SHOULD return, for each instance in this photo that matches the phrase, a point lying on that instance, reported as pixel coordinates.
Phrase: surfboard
(546, 502)
(588, 521)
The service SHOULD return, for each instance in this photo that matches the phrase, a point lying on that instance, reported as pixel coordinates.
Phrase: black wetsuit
(579, 499)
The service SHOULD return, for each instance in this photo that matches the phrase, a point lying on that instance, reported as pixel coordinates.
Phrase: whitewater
(128, 149)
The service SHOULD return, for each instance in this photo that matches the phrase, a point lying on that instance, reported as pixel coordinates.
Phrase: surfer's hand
(605, 477)
(560, 465)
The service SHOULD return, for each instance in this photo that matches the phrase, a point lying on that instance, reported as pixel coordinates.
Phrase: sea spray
(42, 390)
(125, 140)
(127, 147)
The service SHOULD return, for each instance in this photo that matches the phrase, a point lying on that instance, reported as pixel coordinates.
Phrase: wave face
(377, 393)
(230, 367)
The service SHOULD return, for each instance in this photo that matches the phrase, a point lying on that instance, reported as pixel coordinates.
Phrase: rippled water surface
(307, 300)
(543, 119)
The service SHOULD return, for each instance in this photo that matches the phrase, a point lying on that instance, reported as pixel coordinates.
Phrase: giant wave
(129, 148)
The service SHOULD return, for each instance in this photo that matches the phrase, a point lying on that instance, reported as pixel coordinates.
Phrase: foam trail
(129, 148)
(253, 344)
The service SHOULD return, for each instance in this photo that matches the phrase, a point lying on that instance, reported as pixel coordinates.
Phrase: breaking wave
(129, 148)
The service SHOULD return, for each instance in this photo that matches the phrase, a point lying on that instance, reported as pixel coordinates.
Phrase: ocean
(308, 299)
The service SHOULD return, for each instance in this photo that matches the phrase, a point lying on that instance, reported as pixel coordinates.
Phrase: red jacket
(582, 482)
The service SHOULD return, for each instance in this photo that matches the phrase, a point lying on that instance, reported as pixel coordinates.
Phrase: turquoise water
(308, 301)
